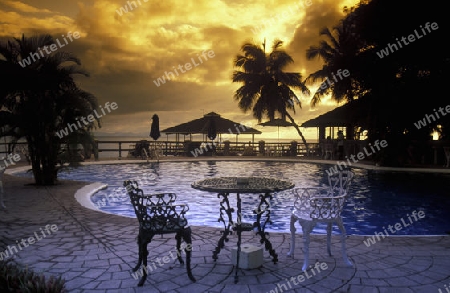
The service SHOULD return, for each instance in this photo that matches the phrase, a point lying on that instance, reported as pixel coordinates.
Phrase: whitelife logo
(188, 66)
(411, 38)
(71, 127)
(11, 249)
(423, 123)
(398, 226)
(52, 47)
(124, 9)
(296, 280)
(359, 156)
(340, 73)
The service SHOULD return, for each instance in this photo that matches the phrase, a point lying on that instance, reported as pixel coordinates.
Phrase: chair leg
(143, 254)
(329, 228)
(140, 253)
(307, 227)
(343, 236)
(178, 238)
(2, 203)
(292, 248)
(188, 239)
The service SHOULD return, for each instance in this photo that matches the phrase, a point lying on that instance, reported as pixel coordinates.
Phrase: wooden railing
(173, 148)
(120, 149)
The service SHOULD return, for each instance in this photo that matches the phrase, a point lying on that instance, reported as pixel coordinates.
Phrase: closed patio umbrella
(154, 130)
(212, 131)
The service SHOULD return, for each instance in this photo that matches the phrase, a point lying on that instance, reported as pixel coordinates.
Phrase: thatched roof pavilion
(353, 114)
(200, 126)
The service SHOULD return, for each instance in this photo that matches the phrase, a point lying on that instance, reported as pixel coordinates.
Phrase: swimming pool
(377, 198)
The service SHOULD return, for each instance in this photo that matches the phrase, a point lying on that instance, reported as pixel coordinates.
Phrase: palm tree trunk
(42, 156)
(299, 132)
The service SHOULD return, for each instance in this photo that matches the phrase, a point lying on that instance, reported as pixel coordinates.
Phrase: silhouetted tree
(404, 83)
(41, 98)
(338, 54)
(267, 89)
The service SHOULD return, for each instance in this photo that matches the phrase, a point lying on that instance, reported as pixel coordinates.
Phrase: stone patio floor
(94, 252)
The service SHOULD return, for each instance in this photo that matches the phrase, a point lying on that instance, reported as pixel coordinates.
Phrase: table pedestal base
(251, 256)
(226, 211)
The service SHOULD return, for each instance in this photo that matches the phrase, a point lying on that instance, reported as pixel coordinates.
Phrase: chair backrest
(340, 182)
(156, 212)
(324, 203)
(327, 208)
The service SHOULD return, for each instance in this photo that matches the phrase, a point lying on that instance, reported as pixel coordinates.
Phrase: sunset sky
(125, 53)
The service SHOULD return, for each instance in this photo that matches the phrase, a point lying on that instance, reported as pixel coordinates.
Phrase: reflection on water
(376, 199)
(212, 169)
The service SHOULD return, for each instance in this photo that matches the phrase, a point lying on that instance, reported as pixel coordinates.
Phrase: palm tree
(338, 54)
(267, 89)
(43, 102)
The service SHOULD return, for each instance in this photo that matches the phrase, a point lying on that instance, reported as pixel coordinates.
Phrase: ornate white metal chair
(321, 204)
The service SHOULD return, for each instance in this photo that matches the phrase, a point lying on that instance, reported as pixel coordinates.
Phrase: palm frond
(276, 44)
(278, 60)
(326, 32)
(266, 87)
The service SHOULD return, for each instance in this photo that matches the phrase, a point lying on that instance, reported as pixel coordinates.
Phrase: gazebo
(201, 125)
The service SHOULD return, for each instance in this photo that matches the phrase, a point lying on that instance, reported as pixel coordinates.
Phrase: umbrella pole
(280, 151)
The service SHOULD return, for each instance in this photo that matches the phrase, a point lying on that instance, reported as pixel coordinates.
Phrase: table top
(242, 184)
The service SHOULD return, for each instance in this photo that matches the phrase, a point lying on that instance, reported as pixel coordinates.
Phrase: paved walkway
(94, 252)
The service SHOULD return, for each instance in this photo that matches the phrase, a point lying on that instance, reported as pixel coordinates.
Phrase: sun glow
(279, 22)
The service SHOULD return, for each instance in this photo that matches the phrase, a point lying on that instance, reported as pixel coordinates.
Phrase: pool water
(377, 198)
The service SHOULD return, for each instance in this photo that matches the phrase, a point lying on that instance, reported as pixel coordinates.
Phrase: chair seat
(306, 216)
(164, 227)
(302, 214)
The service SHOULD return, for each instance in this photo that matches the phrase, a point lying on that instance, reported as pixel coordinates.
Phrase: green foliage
(13, 278)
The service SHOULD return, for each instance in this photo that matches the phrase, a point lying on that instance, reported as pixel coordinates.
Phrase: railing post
(226, 148)
(293, 148)
(120, 150)
(262, 147)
